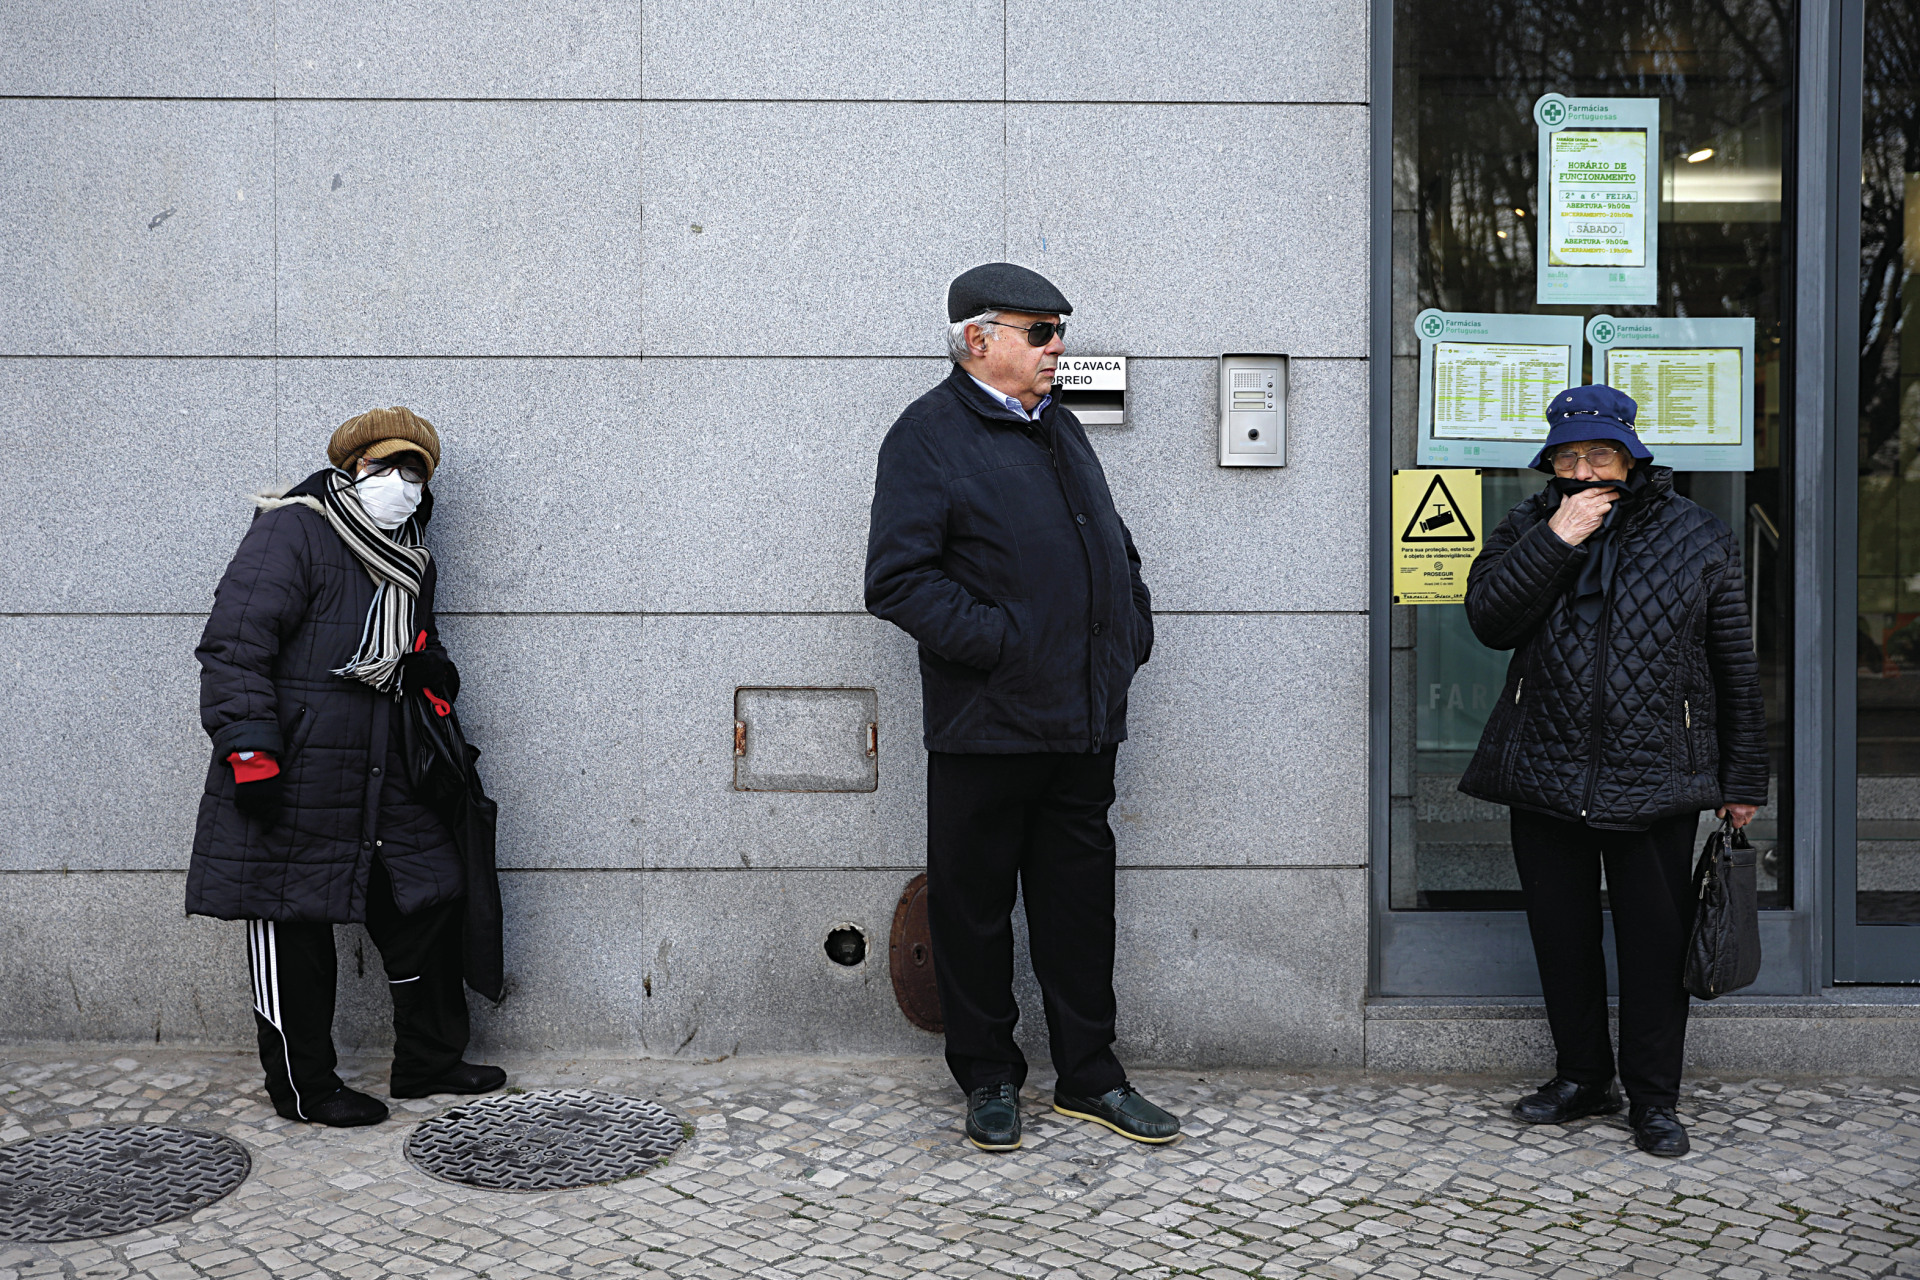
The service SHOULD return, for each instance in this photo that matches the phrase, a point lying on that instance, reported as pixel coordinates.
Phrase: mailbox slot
(1094, 387)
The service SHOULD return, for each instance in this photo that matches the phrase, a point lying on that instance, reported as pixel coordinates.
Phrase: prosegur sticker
(1436, 534)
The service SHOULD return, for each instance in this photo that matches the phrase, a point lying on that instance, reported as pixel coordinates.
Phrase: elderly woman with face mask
(1631, 704)
(321, 625)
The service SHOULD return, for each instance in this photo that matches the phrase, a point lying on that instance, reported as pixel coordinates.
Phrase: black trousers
(1038, 822)
(293, 992)
(1650, 891)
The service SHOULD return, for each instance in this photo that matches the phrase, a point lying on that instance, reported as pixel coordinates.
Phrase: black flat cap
(1002, 286)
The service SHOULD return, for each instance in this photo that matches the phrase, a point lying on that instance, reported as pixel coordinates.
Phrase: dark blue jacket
(287, 612)
(994, 543)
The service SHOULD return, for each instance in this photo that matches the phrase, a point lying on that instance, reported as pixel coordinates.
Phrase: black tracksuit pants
(293, 991)
(1037, 821)
(1650, 891)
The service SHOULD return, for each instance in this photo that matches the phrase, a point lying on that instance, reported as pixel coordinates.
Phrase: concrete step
(1848, 1031)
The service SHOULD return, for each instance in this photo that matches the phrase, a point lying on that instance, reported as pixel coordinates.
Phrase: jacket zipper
(1599, 716)
(1517, 689)
(1686, 708)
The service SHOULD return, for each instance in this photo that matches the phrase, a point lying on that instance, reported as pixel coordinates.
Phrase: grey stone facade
(663, 273)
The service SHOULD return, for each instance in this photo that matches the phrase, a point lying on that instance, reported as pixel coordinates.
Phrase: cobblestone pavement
(806, 1168)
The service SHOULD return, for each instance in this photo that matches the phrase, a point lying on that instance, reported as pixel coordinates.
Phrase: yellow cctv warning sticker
(1436, 534)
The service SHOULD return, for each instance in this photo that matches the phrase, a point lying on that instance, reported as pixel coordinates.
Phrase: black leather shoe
(993, 1117)
(343, 1109)
(1658, 1131)
(1123, 1111)
(463, 1077)
(1560, 1100)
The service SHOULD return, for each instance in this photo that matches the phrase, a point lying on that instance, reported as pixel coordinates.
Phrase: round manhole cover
(544, 1141)
(107, 1179)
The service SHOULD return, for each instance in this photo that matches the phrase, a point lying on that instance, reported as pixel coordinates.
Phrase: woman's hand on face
(1739, 814)
(1581, 514)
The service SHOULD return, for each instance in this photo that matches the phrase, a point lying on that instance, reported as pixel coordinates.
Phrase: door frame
(1489, 954)
(1855, 953)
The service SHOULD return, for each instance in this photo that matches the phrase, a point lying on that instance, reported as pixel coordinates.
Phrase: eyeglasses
(1598, 458)
(411, 472)
(1038, 335)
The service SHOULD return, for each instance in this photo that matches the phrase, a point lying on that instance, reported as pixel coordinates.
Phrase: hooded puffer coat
(287, 613)
(994, 543)
(1651, 711)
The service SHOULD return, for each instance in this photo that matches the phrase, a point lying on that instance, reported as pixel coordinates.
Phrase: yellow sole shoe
(984, 1146)
(1081, 1115)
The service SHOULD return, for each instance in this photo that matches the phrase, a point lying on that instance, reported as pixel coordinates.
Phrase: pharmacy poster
(1485, 383)
(1436, 523)
(1599, 201)
(1692, 380)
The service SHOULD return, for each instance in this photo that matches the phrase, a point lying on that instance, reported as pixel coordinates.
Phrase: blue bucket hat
(1592, 412)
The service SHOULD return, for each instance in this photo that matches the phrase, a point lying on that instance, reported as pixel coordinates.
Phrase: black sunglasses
(1040, 334)
(410, 468)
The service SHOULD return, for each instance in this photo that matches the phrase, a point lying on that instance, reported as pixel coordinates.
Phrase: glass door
(1877, 914)
(1466, 233)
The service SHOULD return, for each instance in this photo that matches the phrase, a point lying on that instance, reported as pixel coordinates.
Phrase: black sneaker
(993, 1117)
(1560, 1100)
(1123, 1111)
(462, 1077)
(342, 1109)
(1658, 1131)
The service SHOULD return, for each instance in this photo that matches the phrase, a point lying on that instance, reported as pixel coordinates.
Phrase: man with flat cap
(995, 544)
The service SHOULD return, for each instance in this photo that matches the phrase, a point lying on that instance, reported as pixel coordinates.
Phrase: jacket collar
(984, 405)
(1647, 486)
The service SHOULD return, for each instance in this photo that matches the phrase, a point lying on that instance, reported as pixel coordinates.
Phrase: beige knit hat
(380, 433)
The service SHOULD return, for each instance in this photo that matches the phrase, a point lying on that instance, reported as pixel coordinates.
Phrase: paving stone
(822, 1170)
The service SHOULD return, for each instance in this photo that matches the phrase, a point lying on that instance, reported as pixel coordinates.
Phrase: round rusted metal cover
(912, 959)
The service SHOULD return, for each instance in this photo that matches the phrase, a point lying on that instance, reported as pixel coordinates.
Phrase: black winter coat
(288, 611)
(1679, 727)
(995, 544)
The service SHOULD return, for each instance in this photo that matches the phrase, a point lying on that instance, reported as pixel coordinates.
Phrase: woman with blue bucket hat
(1631, 704)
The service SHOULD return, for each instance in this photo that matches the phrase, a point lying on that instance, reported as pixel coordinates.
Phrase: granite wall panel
(1143, 213)
(130, 482)
(100, 732)
(458, 228)
(577, 49)
(69, 969)
(136, 228)
(540, 498)
(1243, 539)
(1125, 51)
(879, 49)
(444, 209)
(813, 228)
(108, 49)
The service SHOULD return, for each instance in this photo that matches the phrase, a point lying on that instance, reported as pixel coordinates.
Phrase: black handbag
(441, 768)
(1724, 953)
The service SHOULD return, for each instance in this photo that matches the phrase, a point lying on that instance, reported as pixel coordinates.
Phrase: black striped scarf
(395, 561)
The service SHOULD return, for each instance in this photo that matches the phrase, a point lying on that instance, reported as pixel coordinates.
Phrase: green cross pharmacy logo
(1432, 326)
(1603, 332)
(1553, 113)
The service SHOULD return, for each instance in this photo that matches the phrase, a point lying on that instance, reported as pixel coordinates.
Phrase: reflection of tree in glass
(1721, 72)
(1890, 239)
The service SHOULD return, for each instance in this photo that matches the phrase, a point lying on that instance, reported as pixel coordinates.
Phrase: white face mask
(388, 499)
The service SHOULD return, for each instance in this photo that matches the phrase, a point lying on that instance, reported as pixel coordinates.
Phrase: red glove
(252, 766)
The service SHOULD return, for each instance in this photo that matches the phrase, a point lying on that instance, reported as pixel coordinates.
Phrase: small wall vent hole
(846, 945)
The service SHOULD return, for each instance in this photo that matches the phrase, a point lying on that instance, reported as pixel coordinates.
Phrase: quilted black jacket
(287, 612)
(1679, 725)
(995, 544)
